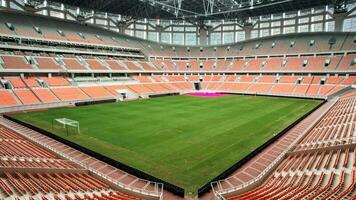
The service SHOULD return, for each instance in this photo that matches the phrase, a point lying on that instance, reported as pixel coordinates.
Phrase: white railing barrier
(270, 94)
(47, 105)
(221, 191)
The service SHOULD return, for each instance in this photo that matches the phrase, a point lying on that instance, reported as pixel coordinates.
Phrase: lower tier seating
(29, 171)
(69, 93)
(322, 165)
(97, 92)
(27, 97)
(45, 95)
(57, 186)
(39, 90)
(7, 98)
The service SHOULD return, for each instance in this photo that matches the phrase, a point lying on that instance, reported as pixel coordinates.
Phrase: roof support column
(159, 30)
(203, 36)
(339, 21)
(340, 14)
(247, 27)
(122, 27)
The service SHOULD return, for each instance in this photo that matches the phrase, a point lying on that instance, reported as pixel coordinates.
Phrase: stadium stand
(45, 95)
(16, 82)
(47, 62)
(321, 165)
(73, 64)
(15, 62)
(96, 92)
(26, 96)
(8, 98)
(50, 176)
(69, 93)
(94, 64)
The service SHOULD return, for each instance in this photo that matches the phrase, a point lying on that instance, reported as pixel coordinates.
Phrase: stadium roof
(195, 9)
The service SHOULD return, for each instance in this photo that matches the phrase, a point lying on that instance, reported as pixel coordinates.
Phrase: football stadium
(177, 99)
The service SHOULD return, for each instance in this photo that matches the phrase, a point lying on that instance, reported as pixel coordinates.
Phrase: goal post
(68, 125)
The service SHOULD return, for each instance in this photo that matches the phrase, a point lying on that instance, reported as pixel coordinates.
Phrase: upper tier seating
(181, 65)
(73, 32)
(15, 62)
(95, 64)
(16, 82)
(24, 26)
(147, 66)
(166, 65)
(73, 64)
(47, 63)
(273, 64)
(132, 66)
(347, 63)
(114, 65)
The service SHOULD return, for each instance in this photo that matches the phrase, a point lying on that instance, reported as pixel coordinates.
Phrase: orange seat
(7, 99)
(69, 94)
(16, 82)
(73, 64)
(55, 81)
(45, 95)
(47, 63)
(95, 64)
(97, 92)
(27, 97)
(15, 62)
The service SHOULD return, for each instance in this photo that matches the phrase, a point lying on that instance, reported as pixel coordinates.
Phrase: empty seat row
(319, 63)
(16, 62)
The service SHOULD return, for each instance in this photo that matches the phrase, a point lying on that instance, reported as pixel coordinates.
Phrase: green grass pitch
(184, 140)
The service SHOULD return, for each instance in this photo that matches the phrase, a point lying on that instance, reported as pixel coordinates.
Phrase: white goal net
(68, 125)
